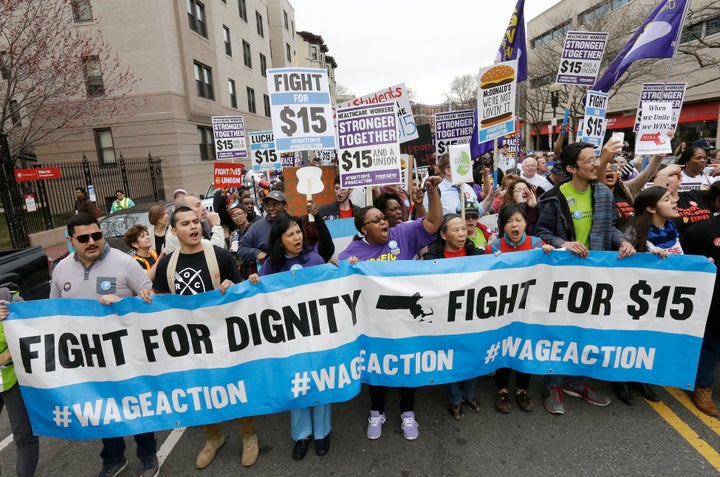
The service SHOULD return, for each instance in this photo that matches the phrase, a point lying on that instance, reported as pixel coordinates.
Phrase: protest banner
(673, 92)
(655, 122)
(421, 148)
(227, 174)
(312, 336)
(581, 58)
(496, 101)
(300, 109)
(368, 145)
(229, 136)
(262, 149)
(594, 120)
(455, 127)
(406, 126)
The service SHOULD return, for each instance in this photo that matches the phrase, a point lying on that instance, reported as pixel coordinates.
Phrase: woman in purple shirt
(379, 241)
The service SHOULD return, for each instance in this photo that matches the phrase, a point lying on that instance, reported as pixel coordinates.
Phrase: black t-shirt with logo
(693, 207)
(192, 275)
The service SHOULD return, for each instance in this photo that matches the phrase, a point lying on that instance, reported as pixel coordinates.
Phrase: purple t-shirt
(406, 240)
(301, 261)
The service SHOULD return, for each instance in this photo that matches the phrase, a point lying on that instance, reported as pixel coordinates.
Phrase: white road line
(165, 448)
(6, 442)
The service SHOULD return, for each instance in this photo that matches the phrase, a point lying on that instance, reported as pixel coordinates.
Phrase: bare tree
(463, 92)
(342, 90)
(55, 74)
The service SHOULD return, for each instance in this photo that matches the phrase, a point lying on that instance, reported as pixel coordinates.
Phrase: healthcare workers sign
(313, 335)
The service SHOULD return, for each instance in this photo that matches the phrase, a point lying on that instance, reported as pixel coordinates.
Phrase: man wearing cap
(179, 193)
(253, 246)
(476, 232)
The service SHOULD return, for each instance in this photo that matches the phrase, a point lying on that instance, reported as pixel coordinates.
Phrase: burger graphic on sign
(496, 77)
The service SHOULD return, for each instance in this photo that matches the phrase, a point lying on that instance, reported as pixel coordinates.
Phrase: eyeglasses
(613, 167)
(594, 160)
(376, 220)
(237, 216)
(85, 238)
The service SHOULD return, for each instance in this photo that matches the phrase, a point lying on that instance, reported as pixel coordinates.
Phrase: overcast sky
(422, 43)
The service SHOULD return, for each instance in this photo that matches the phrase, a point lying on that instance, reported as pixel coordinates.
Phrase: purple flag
(655, 38)
(512, 47)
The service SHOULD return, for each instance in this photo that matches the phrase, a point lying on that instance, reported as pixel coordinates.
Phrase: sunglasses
(85, 238)
(376, 220)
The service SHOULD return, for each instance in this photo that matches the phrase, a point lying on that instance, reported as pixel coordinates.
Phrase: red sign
(227, 174)
(37, 173)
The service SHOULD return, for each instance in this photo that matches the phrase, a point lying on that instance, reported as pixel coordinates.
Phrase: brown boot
(702, 397)
(207, 454)
(250, 450)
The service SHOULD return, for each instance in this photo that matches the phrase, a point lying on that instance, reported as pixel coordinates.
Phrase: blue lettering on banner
(101, 371)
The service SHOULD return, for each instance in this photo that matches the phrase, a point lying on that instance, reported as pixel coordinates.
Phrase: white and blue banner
(313, 335)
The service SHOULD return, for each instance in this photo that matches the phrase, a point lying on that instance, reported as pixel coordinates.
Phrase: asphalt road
(671, 438)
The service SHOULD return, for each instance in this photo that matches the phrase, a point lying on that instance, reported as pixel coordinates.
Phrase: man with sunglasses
(97, 272)
(578, 216)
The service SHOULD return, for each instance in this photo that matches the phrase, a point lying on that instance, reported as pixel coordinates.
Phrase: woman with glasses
(378, 241)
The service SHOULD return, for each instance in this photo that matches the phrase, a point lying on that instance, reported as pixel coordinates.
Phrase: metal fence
(141, 179)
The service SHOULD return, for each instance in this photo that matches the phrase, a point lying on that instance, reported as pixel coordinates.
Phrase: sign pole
(12, 201)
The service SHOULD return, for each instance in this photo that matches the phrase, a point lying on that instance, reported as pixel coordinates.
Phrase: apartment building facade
(621, 18)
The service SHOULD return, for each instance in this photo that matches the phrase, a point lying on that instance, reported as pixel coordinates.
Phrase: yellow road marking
(682, 428)
(685, 400)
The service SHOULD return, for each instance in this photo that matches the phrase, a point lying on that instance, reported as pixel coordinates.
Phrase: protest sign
(594, 120)
(422, 147)
(227, 175)
(673, 92)
(368, 145)
(312, 336)
(297, 202)
(455, 127)
(300, 109)
(655, 122)
(262, 149)
(581, 57)
(406, 126)
(461, 169)
(496, 101)
(229, 136)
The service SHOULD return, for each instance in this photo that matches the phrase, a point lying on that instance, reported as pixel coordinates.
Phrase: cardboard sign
(581, 57)
(673, 92)
(594, 123)
(461, 163)
(655, 121)
(227, 175)
(229, 135)
(455, 127)
(262, 149)
(496, 101)
(297, 202)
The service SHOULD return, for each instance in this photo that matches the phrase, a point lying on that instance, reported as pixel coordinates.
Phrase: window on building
(259, 21)
(242, 10)
(93, 76)
(247, 54)
(712, 26)
(251, 100)
(293, 28)
(82, 10)
(203, 81)
(4, 65)
(693, 32)
(285, 20)
(263, 65)
(207, 143)
(196, 17)
(288, 52)
(313, 52)
(14, 113)
(104, 145)
(266, 102)
(226, 38)
(233, 93)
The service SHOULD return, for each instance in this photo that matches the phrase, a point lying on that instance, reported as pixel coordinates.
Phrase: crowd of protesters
(578, 201)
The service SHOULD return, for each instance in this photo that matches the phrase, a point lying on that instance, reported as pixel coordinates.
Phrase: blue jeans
(113, 449)
(314, 420)
(709, 356)
(460, 390)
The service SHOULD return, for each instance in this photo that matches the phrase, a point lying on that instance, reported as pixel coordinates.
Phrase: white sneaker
(375, 423)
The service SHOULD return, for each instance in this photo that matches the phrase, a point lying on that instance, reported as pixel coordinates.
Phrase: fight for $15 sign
(594, 120)
(301, 109)
(369, 149)
(496, 101)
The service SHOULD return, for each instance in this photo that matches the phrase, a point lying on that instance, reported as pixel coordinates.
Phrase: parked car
(207, 198)
(115, 224)
(27, 271)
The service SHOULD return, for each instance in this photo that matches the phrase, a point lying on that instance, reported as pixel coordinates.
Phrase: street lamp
(554, 103)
